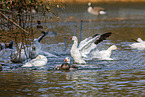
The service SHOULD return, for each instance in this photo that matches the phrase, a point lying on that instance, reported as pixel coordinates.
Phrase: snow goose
(31, 52)
(18, 56)
(139, 44)
(35, 48)
(104, 54)
(85, 46)
(75, 52)
(66, 66)
(40, 60)
(95, 10)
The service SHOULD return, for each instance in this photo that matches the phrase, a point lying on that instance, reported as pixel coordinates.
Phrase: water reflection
(73, 83)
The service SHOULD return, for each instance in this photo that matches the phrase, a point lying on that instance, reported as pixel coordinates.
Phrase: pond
(123, 76)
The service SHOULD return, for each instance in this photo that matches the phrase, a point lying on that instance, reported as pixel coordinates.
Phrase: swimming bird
(66, 66)
(7, 45)
(35, 48)
(31, 52)
(104, 54)
(0, 67)
(85, 46)
(139, 44)
(96, 10)
(18, 56)
(40, 60)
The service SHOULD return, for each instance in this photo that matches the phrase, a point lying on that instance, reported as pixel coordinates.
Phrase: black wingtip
(41, 37)
(134, 40)
(95, 35)
(103, 37)
(45, 33)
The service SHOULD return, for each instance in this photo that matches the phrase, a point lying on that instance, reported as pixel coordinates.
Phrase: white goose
(31, 52)
(75, 52)
(104, 54)
(85, 46)
(139, 44)
(40, 60)
(35, 49)
(95, 10)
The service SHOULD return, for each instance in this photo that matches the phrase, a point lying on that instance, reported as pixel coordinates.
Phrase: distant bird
(104, 54)
(7, 45)
(66, 66)
(40, 60)
(96, 10)
(139, 44)
(85, 46)
(39, 25)
(0, 67)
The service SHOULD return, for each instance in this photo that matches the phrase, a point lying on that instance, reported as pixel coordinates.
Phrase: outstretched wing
(91, 43)
(87, 45)
(87, 40)
(103, 37)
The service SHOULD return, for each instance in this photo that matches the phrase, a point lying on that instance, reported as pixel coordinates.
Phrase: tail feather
(103, 37)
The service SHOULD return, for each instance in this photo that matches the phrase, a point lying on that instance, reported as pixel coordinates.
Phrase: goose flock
(80, 51)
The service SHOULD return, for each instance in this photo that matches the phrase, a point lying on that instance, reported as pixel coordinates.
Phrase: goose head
(67, 59)
(74, 38)
(113, 47)
(89, 4)
(33, 52)
(140, 40)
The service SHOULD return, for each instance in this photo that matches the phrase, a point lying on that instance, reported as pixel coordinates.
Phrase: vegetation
(17, 18)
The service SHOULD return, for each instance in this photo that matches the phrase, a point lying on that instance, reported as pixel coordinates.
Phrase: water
(123, 76)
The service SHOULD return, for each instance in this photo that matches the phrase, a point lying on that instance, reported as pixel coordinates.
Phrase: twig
(14, 22)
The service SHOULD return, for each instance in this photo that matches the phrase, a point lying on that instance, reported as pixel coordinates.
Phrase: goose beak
(70, 38)
(65, 60)
(117, 48)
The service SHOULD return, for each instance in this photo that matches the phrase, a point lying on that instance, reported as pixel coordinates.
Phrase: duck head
(67, 59)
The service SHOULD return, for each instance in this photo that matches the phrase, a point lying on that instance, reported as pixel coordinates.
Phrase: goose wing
(98, 8)
(92, 42)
